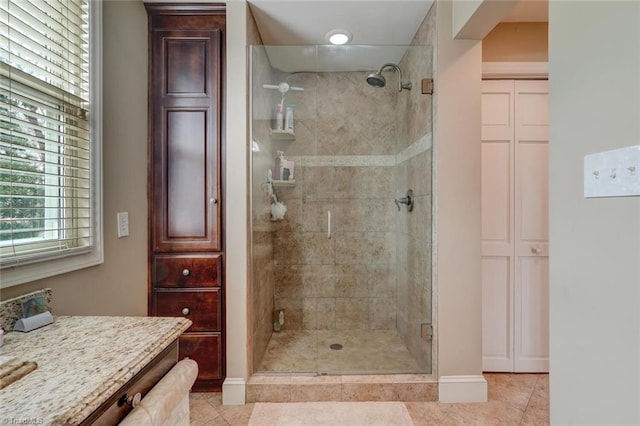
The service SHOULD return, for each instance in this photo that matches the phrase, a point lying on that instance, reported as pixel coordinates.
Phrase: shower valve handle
(408, 201)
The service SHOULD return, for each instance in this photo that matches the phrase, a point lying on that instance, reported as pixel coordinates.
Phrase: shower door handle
(328, 224)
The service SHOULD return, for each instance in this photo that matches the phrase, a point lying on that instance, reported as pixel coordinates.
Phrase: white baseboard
(234, 391)
(462, 389)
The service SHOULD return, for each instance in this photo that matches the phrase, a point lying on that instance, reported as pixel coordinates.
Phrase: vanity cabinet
(186, 254)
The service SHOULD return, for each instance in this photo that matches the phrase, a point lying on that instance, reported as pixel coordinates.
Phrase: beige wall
(457, 198)
(119, 286)
(594, 76)
(517, 42)
(237, 203)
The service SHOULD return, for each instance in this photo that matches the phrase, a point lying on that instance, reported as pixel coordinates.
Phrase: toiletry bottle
(288, 121)
(277, 170)
(279, 117)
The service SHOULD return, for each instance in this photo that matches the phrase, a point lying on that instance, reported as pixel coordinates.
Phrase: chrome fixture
(408, 201)
(376, 79)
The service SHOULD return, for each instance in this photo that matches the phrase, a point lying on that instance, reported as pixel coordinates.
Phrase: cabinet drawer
(187, 271)
(206, 350)
(203, 308)
(113, 410)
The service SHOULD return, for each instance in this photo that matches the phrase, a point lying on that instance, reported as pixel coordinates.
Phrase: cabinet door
(206, 350)
(186, 132)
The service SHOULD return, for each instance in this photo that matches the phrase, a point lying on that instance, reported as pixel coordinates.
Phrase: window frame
(67, 262)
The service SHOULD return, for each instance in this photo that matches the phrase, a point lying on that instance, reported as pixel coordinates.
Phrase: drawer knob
(185, 311)
(132, 400)
(186, 272)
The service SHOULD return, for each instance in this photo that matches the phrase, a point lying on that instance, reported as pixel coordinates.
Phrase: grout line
(524, 412)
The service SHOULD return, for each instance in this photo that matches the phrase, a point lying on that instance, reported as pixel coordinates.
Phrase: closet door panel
(533, 199)
(532, 333)
(497, 315)
(497, 225)
(531, 227)
(515, 225)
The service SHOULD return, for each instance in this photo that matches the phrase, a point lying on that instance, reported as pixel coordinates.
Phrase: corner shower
(341, 281)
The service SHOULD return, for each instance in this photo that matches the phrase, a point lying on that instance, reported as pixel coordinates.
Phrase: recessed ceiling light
(339, 36)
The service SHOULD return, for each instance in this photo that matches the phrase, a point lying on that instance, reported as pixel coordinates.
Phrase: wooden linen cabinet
(186, 253)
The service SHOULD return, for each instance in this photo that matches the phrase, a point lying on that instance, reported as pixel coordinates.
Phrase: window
(49, 137)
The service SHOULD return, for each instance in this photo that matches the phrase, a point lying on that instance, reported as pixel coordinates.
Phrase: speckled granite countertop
(81, 361)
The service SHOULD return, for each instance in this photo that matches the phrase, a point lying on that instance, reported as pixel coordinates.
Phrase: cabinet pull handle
(185, 310)
(186, 272)
(328, 224)
(213, 200)
(535, 250)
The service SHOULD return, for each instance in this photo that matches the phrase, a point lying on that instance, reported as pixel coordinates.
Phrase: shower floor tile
(362, 352)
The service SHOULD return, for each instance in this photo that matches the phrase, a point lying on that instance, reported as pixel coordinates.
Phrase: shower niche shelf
(283, 135)
(283, 183)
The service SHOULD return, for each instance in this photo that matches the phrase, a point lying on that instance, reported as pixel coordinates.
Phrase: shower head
(376, 79)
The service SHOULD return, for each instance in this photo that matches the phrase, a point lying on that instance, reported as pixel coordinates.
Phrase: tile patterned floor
(514, 399)
(309, 352)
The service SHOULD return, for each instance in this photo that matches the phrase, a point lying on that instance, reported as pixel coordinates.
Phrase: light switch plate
(123, 224)
(613, 173)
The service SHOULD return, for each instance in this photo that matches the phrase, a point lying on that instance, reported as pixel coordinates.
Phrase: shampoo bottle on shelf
(288, 121)
(277, 170)
(279, 117)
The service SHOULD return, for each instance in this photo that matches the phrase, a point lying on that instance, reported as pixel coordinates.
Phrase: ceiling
(528, 11)
(373, 23)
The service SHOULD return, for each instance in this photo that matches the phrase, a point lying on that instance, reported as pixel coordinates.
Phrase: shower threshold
(293, 387)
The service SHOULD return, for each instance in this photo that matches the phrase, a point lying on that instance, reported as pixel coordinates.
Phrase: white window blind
(46, 184)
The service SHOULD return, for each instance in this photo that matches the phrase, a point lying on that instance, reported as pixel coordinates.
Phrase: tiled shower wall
(345, 133)
(263, 278)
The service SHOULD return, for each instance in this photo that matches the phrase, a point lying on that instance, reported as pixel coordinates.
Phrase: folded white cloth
(167, 403)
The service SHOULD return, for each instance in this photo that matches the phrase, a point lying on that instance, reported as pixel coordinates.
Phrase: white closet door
(515, 226)
(531, 227)
(497, 225)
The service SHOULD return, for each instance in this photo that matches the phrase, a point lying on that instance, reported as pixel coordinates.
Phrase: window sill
(21, 274)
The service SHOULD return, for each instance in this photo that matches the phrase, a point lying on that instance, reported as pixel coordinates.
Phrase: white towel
(167, 403)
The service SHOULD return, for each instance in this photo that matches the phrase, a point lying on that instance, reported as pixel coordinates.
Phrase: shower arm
(401, 85)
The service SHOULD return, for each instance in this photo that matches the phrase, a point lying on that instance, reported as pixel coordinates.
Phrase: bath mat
(330, 413)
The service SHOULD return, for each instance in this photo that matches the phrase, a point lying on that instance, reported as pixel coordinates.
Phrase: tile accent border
(462, 389)
(343, 160)
(234, 391)
(418, 147)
